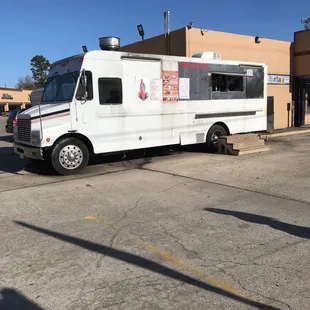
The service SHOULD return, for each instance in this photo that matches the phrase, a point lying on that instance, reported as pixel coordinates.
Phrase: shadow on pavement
(145, 264)
(133, 159)
(6, 138)
(11, 299)
(10, 162)
(295, 230)
(128, 156)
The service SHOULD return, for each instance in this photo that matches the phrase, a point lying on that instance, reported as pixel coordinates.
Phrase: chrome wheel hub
(71, 157)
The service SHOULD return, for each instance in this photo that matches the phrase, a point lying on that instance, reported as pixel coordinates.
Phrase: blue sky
(58, 28)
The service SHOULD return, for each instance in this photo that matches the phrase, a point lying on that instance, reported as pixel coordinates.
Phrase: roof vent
(208, 55)
(109, 43)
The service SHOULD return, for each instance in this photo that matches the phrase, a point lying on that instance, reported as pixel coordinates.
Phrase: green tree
(39, 68)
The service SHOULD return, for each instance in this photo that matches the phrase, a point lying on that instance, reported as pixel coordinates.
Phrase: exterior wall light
(189, 25)
(141, 31)
(258, 40)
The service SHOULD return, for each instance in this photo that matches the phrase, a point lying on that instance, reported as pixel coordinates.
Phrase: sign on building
(7, 97)
(279, 79)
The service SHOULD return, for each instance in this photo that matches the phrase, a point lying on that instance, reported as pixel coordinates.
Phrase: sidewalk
(285, 132)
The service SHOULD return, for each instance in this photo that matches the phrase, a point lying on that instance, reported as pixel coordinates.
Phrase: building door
(307, 101)
(302, 103)
(270, 113)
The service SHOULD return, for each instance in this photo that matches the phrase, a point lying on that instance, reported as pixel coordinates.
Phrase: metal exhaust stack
(110, 43)
(167, 31)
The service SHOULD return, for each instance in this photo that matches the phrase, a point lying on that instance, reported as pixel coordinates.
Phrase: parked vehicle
(11, 120)
(110, 101)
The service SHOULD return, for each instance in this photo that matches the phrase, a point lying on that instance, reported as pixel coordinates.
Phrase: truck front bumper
(28, 151)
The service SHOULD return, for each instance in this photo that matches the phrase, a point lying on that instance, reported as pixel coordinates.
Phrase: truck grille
(24, 129)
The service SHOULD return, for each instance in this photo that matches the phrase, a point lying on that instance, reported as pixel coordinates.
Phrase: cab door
(82, 113)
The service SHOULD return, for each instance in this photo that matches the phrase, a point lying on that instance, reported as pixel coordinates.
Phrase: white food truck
(108, 101)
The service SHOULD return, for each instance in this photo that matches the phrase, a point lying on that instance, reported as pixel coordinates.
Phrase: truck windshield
(60, 88)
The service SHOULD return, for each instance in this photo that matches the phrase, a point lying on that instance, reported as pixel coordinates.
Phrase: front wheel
(69, 156)
(214, 133)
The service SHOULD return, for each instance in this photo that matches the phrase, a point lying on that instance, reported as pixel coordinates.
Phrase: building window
(110, 91)
(226, 83)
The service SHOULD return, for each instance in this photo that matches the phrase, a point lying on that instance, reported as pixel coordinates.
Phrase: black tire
(61, 160)
(214, 132)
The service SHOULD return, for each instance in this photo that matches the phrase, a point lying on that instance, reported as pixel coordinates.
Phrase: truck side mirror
(84, 79)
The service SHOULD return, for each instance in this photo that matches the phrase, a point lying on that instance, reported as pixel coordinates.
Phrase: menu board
(170, 86)
(184, 87)
(157, 89)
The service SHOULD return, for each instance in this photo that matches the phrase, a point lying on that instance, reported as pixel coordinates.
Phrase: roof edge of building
(15, 89)
(239, 34)
(151, 38)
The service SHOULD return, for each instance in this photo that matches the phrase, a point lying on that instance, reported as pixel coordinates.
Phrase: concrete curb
(284, 134)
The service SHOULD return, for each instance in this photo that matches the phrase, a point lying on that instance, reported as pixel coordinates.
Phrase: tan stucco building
(287, 63)
(12, 98)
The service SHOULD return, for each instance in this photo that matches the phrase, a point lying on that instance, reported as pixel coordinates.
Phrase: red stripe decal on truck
(186, 65)
(50, 117)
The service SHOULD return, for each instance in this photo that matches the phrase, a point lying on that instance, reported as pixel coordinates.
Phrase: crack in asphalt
(66, 179)
(283, 197)
(224, 270)
(177, 239)
(136, 204)
(149, 283)
(265, 298)
(286, 246)
(130, 210)
(246, 263)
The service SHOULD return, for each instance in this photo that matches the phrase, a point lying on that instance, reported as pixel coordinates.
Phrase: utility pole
(306, 21)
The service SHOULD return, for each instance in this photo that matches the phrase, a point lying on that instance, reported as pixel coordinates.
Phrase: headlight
(35, 137)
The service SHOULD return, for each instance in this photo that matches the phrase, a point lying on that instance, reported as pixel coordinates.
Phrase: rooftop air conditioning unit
(208, 55)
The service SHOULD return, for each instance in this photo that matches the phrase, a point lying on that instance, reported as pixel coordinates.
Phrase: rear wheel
(69, 156)
(214, 133)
